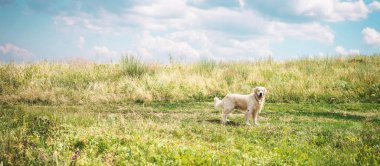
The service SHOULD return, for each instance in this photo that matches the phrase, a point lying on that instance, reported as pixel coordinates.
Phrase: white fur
(252, 103)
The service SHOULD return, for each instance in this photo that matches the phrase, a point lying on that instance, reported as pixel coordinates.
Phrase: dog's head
(260, 92)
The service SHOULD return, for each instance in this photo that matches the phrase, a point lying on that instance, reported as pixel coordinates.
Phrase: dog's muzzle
(260, 94)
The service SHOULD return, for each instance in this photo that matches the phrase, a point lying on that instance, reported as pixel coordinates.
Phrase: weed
(133, 67)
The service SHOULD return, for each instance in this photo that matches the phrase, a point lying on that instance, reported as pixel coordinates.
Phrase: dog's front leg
(247, 117)
(255, 115)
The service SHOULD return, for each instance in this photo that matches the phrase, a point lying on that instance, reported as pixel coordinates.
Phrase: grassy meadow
(319, 111)
(327, 80)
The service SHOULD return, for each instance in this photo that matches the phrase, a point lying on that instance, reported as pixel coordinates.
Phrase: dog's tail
(218, 103)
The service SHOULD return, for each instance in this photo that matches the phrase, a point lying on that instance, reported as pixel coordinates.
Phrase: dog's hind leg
(225, 114)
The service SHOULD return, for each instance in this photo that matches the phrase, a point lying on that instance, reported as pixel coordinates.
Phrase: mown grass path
(189, 134)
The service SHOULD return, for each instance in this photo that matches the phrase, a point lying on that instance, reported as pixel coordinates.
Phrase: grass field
(189, 134)
(328, 80)
(318, 112)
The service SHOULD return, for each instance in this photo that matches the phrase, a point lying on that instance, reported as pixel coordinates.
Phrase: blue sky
(103, 31)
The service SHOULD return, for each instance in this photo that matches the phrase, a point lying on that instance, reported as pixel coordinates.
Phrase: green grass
(325, 80)
(133, 67)
(189, 134)
(318, 112)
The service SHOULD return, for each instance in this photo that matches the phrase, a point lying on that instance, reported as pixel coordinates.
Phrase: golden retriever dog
(252, 103)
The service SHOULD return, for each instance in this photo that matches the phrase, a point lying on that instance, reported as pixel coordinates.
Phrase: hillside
(326, 80)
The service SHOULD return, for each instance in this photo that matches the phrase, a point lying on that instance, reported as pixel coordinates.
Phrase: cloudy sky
(103, 31)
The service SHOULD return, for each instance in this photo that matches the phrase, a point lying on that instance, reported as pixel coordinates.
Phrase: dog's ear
(254, 90)
(265, 90)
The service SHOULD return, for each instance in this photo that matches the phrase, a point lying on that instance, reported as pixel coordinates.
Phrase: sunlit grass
(329, 80)
(318, 112)
(189, 134)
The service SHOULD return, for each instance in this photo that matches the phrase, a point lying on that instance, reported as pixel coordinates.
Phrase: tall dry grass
(330, 80)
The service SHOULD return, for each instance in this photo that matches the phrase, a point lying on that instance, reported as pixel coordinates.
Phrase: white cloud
(371, 36)
(162, 9)
(66, 20)
(307, 31)
(342, 51)
(149, 46)
(12, 49)
(242, 3)
(225, 20)
(163, 15)
(241, 33)
(332, 10)
(375, 5)
(81, 42)
(177, 15)
(195, 45)
(175, 27)
(104, 51)
(102, 22)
